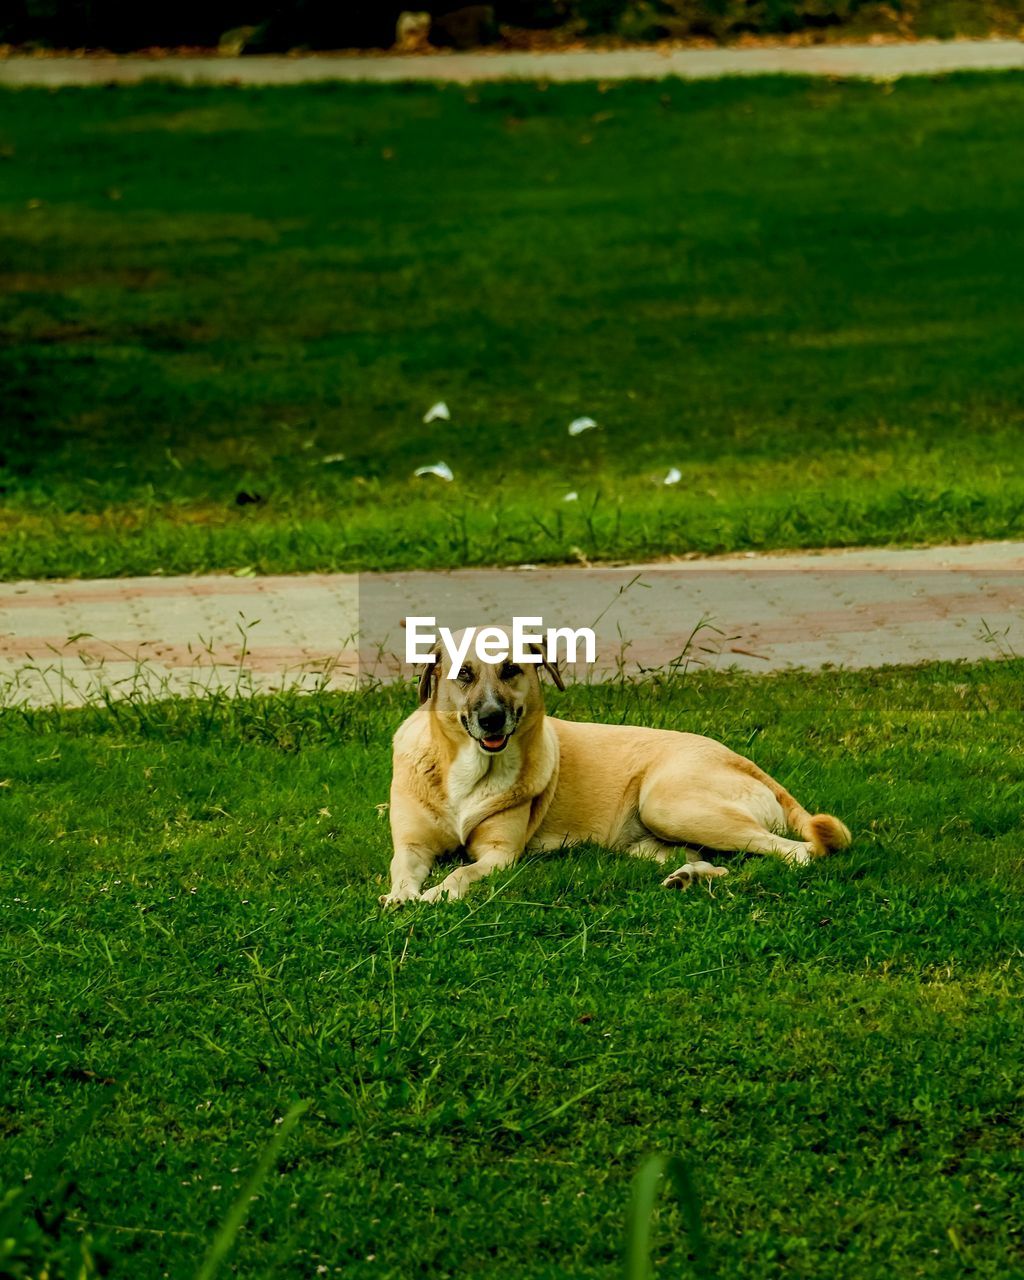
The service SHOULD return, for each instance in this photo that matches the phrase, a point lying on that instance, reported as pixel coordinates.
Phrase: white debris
(673, 477)
(439, 410)
(579, 425)
(332, 457)
(571, 497)
(440, 469)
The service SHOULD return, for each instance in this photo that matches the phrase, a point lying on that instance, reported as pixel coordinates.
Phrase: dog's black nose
(492, 721)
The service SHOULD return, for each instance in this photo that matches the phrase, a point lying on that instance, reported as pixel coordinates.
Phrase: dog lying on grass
(480, 766)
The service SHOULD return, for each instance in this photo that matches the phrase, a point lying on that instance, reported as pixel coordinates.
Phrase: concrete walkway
(874, 61)
(69, 642)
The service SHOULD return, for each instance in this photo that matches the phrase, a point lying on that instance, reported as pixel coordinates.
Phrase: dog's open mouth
(494, 745)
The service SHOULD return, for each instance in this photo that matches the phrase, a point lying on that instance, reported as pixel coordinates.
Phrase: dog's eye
(509, 671)
(465, 676)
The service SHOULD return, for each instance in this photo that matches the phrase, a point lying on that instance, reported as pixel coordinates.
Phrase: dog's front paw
(398, 898)
(440, 893)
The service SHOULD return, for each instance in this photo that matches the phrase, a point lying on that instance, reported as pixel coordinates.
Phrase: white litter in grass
(673, 477)
(579, 425)
(440, 469)
(571, 497)
(332, 457)
(439, 410)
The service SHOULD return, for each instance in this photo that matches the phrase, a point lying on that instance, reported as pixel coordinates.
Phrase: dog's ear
(550, 667)
(426, 676)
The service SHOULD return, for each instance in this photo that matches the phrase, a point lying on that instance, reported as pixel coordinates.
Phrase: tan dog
(479, 766)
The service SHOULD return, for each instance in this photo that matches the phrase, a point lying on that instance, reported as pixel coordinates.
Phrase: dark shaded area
(261, 26)
(122, 25)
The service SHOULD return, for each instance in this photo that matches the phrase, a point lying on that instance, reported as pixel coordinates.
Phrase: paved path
(72, 641)
(876, 61)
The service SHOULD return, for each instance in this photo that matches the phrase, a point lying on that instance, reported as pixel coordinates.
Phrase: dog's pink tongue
(493, 742)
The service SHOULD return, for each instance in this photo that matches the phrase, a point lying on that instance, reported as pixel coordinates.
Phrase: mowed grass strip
(191, 935)
(807, 296)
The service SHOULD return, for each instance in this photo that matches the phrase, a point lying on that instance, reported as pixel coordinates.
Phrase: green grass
(807, 295)
(191, 943)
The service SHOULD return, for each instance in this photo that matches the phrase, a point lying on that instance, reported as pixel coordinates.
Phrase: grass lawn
(191, 941)
(808, 296)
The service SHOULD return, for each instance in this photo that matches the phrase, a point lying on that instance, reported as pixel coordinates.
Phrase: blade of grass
(646, 1185)
(239, 1211)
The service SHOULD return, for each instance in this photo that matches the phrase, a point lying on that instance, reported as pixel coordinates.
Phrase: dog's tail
(823, 832)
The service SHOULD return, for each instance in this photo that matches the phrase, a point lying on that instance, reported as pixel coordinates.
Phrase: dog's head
(489, 701)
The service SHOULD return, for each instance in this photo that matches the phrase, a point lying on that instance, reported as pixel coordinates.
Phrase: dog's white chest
(476, 780)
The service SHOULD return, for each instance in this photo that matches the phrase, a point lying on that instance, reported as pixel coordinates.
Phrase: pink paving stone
(766, 612)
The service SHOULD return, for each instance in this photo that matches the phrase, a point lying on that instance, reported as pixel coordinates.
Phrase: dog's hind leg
(715, 824)
(704, 794)
(749, 821)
